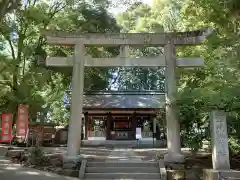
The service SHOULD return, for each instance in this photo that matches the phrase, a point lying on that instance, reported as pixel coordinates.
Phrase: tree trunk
(40, 140)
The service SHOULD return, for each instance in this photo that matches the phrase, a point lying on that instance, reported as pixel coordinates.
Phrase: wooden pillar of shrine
(134, 125)
(154, 125)
(86, 126)
(108, 126)
(89, 127)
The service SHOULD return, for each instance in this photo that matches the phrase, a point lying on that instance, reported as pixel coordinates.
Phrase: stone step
(122, 164)
(122, 179)
(122, 170)
(122, 175)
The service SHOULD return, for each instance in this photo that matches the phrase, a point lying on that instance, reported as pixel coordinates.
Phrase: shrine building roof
(124, 100)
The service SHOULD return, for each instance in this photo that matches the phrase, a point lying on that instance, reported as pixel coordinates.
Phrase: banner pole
(26, 138)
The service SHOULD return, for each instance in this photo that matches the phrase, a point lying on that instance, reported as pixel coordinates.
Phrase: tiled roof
(124, 100)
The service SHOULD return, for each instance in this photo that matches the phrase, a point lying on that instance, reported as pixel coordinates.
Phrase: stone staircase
(123, 170)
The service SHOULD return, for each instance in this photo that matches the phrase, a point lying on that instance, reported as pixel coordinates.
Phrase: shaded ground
(91, 153)
(151, 154)
(13, 172)
(95, 154)
(9, 171)
(192, 168)
(3, 150)
(51, 160)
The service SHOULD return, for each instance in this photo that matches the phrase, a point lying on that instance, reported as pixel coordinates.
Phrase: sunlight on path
(123, 155)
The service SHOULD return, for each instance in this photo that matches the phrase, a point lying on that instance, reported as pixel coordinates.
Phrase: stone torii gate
(80, 59)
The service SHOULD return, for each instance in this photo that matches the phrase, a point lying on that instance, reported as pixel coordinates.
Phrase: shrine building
(118, 113)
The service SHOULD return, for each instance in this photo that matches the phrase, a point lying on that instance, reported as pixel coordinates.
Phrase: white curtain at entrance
(146, 133)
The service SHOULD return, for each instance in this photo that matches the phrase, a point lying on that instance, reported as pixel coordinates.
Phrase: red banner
(22, 120)
(7, 120)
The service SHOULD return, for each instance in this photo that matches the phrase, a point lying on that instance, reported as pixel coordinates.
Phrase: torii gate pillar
(172, 118)
(75, 124)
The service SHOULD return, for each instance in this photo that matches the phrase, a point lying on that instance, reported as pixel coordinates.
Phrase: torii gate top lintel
(132, 39)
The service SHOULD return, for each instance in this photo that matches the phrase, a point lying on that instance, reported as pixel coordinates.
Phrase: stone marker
(219, 136)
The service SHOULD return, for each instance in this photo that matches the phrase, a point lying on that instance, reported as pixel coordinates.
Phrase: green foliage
(7, 6)
(234, 145)
(22, 80)
(215, 86)
(140, 18)
(200, 90)
(37, 157)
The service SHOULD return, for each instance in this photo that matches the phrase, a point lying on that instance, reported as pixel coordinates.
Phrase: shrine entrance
(121, 130)
(116, 115)
(169, 60)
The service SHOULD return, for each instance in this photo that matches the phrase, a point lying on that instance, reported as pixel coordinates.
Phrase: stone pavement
(125, 155)
(13, 172)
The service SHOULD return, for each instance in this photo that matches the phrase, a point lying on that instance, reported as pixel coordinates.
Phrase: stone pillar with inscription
(220, 152)
(75, 124)
(172, 120)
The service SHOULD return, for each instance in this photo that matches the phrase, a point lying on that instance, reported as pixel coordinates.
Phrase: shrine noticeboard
(7, 120)
(138, 133)
(22, 120)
